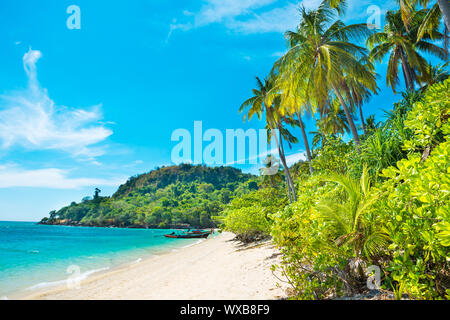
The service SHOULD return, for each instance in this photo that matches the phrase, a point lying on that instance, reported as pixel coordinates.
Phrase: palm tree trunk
(407, 72)
(286, 170)
(362, 118)
(291, 182)
(349, 117)
(282, 161)
(445, 9)
(305, 140)
(446, 42)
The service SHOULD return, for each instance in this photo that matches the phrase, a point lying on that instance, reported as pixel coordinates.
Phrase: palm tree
(258, 104)
(277, 123)
(305, 141)
(320, 135)
(271, 172)
(440, 8)
(445, 10)
(403, 47)
(323, 57)
(434, 74)
(351, 221)
(334, 120)
(371, 125)
(293, 104)
(283, 135)
(358, 94)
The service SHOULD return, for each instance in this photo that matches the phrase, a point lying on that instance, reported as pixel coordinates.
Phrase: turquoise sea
(36, 256)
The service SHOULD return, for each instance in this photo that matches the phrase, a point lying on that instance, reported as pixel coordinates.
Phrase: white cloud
(11, 176)
(262, 16)
(278, 54)
(310, 4)
(30, 119)
(294, 158)
(259, 157)
(244, 16)
(357, 9)
(276, 20)
(220, 10)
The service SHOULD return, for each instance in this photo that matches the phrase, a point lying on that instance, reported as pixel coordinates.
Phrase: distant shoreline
(170, 227)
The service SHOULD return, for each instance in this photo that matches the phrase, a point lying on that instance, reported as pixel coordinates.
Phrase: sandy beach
(214, 269)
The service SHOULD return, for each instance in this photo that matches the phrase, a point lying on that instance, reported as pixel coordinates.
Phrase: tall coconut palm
(403, 48)
(292, 103)
(258, 104)
(441, 8)
(332, 122)
(322, 55)
(283, 135)
(357, 94)
(320, 135)
(277, 120)
(335, 121)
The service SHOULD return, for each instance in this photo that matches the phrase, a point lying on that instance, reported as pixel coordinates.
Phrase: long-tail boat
(187, 235)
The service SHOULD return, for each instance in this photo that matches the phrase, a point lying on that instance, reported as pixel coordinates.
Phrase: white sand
(215, 269)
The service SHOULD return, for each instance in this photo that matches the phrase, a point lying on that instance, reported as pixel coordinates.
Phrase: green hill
(166, 197)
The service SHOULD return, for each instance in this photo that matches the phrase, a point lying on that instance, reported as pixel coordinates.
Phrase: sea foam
(71, 280)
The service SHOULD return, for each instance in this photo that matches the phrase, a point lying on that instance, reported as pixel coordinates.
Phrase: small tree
(96, 193)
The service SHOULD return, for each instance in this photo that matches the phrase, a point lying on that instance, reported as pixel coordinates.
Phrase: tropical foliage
(387, 205)
(380, 199)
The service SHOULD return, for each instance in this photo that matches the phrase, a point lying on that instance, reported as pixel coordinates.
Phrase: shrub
(415, 209)
(416, 203)
(310, 257)
(248, 216)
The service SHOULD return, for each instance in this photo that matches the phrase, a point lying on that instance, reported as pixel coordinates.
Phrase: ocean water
(36, 256)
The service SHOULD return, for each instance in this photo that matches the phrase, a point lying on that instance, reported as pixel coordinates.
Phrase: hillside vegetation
(166, 197)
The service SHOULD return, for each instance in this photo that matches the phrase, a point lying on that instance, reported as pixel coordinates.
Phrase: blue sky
(88, 108)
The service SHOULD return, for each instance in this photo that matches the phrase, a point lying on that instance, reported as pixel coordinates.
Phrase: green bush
(248, 216)
(333, 156)
(310, 256)
(416, 203)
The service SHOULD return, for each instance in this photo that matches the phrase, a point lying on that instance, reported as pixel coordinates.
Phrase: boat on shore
(187, 235)
(198, 231)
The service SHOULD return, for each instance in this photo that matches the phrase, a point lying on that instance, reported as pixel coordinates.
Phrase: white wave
(4, 298)
(195, 243)
(81, 277)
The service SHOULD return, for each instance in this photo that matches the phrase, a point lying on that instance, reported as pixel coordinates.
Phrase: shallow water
(36, 256)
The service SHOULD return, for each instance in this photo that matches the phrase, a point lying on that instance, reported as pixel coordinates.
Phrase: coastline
(216, 268)
(152, 226)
